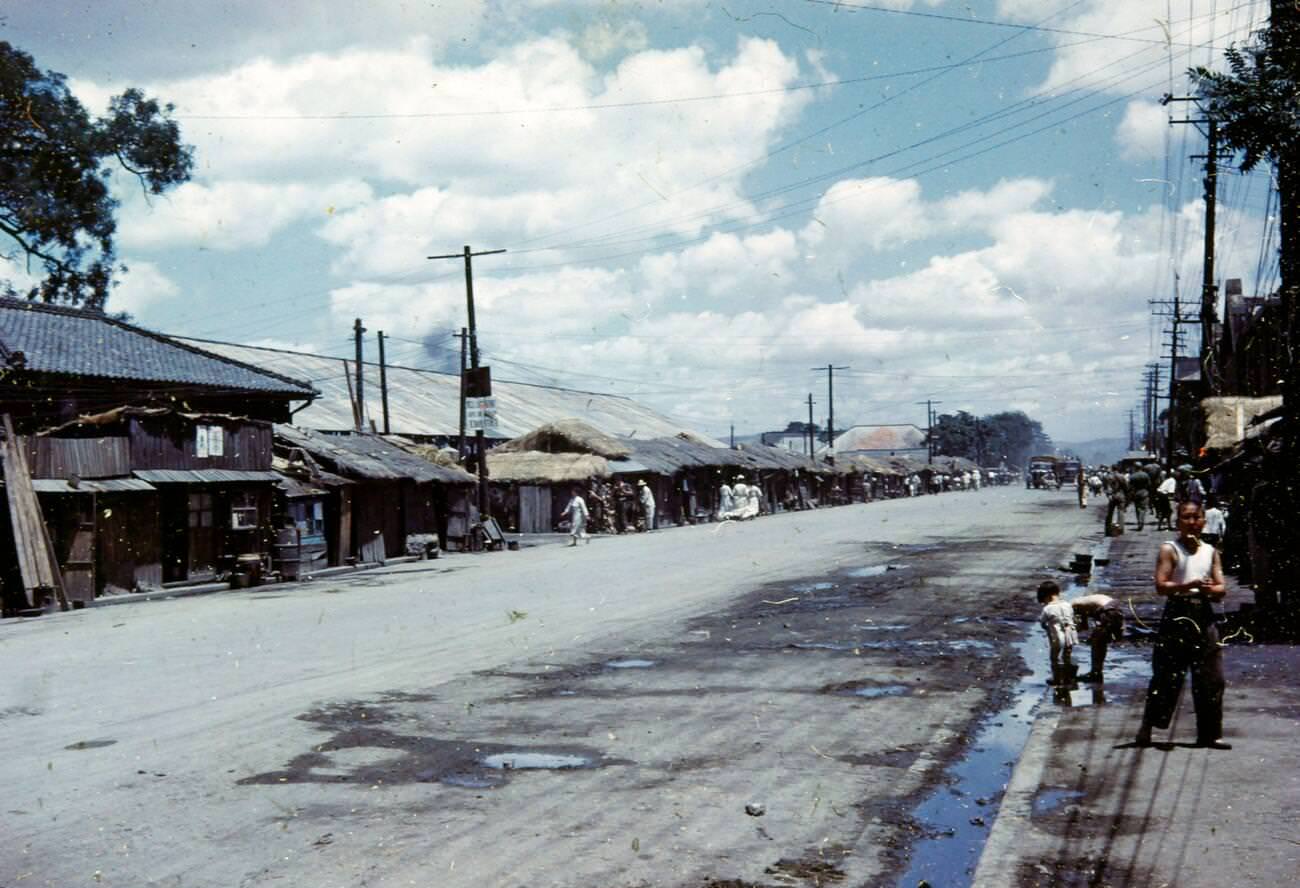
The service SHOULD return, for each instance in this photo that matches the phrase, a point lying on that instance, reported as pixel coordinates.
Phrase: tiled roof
(56, 339)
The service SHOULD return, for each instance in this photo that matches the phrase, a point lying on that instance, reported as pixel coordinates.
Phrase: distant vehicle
(1041, 473)
(1067, 470)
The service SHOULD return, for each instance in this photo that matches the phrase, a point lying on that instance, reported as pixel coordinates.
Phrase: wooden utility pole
(812, 430)
(1209, 292)
(830, 408)
(1172, 311)
(929, 428)
(463, 336)
(480, 447)
(357, 331)
(383, 381)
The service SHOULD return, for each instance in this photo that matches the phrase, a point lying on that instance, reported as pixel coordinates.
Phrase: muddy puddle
(631, 663)
(959, 813)
(873, 570)
(363, 749)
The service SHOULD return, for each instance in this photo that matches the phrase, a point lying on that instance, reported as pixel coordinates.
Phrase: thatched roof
(367, 457)
(567, 436)
(1227, 419)
(764, 456)
(872, 465)
(535, 467)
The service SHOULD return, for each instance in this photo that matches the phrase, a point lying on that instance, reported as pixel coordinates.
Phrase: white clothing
(750, 507)
(1057, 620)
(1192, 566)
(648, 506)
(726, 501)
(577, 508)
(1215, 522)
(1168, 486)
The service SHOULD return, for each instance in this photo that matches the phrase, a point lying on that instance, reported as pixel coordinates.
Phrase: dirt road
(598, 716)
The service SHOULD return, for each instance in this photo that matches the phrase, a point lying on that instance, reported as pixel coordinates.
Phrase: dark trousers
(1188, 640)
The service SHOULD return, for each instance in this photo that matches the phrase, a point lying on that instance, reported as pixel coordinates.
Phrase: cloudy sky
(970, 201)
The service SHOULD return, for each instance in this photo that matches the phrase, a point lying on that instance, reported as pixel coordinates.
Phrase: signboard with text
(481, 414)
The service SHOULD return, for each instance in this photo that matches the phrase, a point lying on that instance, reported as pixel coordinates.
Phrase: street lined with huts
(152, 461)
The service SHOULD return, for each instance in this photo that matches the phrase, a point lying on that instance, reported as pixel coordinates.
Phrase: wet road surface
(599, 716)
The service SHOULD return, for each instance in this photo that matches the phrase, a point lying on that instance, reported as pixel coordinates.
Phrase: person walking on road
(1104, 619)
(1190, 577)
(577, 512)
(1117, 492)
(1139, 484)
(1216, 525)
(1164, 502)
(647, 499)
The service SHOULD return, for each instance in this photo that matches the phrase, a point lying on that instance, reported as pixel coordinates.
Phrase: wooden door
(79, 566)
(534, 509)
(202, 563)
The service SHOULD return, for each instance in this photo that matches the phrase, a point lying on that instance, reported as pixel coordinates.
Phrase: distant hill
(1098, 451)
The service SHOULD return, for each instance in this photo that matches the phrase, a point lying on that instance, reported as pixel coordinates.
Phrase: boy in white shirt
(1057, 620)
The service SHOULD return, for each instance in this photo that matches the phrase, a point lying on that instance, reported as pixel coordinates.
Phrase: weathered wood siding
(170, 444)
(105, 457)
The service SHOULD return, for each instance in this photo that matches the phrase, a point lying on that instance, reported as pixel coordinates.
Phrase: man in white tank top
(1190, 576)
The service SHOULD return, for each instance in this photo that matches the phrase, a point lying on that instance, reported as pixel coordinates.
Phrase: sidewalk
(1079, 812)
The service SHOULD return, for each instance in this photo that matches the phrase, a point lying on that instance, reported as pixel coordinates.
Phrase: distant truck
(1041, 473)
(1067, 470)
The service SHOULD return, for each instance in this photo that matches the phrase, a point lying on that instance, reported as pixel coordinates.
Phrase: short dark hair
(1199, 507)
(1047, 590)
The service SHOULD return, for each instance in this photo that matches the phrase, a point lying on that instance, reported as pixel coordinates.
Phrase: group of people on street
(1150, 489)
(739, 501)
(1189, 576)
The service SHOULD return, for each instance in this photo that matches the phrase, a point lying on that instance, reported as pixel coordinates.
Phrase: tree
(56, 162)
(1010, 436)
(1257, 108)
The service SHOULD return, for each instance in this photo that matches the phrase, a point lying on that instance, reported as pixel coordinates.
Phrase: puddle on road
(90, 744)
(873, 691)
(874, 570)
(1050, 800)
(959, 823)
(812, 587)
(630, 664)
(534, 761)
(363, 751)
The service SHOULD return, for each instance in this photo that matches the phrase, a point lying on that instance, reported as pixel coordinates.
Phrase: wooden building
(393, 495)
(173, 488)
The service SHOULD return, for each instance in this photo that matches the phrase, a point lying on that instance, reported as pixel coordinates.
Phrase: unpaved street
(598, 716)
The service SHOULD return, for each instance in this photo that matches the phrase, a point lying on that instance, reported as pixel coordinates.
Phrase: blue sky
(971, 202)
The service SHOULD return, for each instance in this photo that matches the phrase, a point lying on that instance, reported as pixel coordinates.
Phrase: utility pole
(830, 408)
(1209, 292)
(1132, 442)
(812, 430)
(480, 447)
(463, 336)
(733, 436)
(383, 381)
(1172, 309)
(357, 331)
(929, 428)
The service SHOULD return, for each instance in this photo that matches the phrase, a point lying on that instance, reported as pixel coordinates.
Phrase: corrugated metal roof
(101, 485)
(427, 403)
(204, 476)
(369, 457)
(57, 339)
